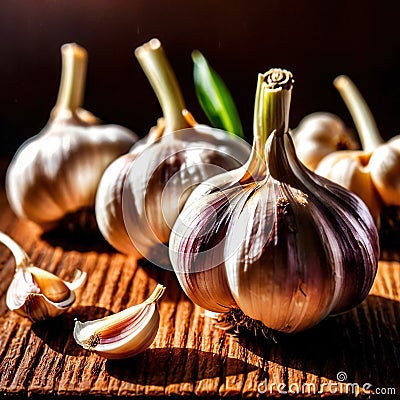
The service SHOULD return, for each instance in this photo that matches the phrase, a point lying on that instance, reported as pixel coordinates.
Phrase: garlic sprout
(34, 292)
(273, 240)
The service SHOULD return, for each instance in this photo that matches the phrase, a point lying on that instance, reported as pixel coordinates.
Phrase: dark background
(316, 40)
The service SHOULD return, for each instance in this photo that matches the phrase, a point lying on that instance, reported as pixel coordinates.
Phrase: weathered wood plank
(189, 356)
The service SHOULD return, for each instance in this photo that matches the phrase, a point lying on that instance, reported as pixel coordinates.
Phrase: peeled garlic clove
(56, 173)
(27, 298)
(34, 292)
(141, 194)
(320, 134)
(124, 334)
(295, 246)
(51, 286)
(38, 294)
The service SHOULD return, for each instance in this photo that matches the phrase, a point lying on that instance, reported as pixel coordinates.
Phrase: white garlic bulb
(123, 334)
(319, 134)
(141, 194)
(34, 292)
(273, 240)
(372, 172)
(56, 172)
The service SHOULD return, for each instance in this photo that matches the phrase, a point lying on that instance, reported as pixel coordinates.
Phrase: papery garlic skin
(351, 169)
(109, 215)
(385, 171)
(36, 293)
(57, 172)
(294, 246)
(141, 194)
(124, 334)
(319, 134)
(161, 178)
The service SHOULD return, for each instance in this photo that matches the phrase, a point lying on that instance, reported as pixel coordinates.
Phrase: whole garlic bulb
(372, 172)
(274, 240)
(34, 292)
(319, 134)
(141, 193)
(56, 172)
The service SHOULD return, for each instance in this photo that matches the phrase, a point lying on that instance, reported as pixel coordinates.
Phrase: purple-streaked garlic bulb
(273, 240)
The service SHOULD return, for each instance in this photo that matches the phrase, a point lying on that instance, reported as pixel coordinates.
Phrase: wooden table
(189, 355)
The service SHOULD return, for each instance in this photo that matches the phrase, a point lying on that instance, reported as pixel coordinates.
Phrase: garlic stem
(156, 295)
(271, 111)
(360, 112)
(158, 70)
(21, 258)
(73, 76)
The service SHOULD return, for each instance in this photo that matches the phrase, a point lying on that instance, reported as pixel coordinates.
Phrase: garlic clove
(51, 286)
(36, 293)
(123, 334)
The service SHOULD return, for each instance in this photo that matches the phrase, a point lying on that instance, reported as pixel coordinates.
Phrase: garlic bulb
(56, 172)
(274, 240)
(350, 169)
(385, 171)
(373, 172)
(319, 134)
(36, 293)
(124, 334)
(141, 194)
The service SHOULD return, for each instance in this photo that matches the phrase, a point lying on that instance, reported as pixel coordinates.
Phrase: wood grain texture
(190, 356)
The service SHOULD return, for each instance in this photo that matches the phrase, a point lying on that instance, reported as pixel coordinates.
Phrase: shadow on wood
(57, 332)
(165, 366)
(321, 350)
(78, 240)
(163, 276)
